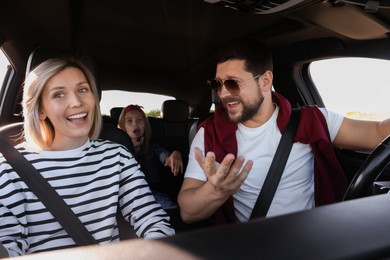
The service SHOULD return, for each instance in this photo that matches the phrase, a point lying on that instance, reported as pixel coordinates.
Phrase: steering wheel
(371, 169)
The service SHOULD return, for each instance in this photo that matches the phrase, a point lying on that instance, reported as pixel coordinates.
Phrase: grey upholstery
(176, 125)
(115, 112)
(175, 111)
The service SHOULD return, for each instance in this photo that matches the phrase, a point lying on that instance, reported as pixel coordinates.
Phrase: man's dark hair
(257, 56)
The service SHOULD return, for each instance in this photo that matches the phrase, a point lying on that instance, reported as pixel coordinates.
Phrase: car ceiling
(167, 46)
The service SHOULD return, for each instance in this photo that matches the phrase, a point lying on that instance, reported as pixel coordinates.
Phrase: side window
(115, 98)
(354, 87)
(3, 66)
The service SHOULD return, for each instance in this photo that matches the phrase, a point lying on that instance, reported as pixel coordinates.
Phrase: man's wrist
(214, 192)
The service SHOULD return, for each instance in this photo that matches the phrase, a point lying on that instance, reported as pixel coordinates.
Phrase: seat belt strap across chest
(47, 195)
(276, 169)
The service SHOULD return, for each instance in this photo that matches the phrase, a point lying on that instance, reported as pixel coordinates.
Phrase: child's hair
(148, 130)
(41, 132)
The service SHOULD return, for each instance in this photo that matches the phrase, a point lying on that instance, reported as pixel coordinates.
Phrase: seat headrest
(175, 110)
(115, 112)
(39, 55)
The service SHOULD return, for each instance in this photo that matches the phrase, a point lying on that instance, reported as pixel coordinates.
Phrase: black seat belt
(47, 195)
(276, 169)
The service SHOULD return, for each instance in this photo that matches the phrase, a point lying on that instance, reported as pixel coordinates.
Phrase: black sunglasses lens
(215, 84)
(231, 85)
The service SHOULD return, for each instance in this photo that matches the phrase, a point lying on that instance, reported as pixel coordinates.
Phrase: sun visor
(347, 20)
(262, 6)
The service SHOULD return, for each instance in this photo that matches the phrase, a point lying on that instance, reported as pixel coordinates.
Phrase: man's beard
(248, 110)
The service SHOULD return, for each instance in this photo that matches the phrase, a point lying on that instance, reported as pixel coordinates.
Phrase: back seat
(175, 117)
(115, 112)
(171, 131)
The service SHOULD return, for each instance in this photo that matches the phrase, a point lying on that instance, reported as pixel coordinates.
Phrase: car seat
(175, 118)
(171, 132)
(203, 113)
(115, 112)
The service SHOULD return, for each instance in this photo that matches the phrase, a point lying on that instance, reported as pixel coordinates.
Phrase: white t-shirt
(296, 188)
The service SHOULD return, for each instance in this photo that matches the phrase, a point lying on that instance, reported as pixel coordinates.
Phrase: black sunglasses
(231, 85)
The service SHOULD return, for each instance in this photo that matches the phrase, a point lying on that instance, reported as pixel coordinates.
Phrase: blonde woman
(94, 177)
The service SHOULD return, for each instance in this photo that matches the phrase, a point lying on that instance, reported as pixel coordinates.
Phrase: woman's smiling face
(68, 102)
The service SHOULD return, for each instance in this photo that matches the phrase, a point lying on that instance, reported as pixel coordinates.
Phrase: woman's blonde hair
(41, 132)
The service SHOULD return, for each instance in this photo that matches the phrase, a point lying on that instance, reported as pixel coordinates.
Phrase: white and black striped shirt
(94, 180)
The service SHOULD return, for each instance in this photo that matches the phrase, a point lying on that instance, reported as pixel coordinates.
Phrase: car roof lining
(167, 47)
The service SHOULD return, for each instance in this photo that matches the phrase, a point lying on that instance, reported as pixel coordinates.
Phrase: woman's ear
(42, 116)
(266, 80)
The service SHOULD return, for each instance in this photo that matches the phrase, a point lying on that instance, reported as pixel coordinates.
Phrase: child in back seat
(135, 123)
